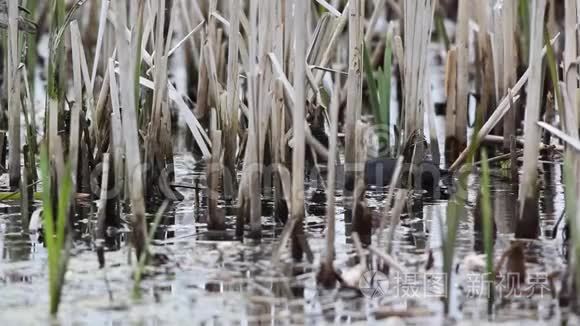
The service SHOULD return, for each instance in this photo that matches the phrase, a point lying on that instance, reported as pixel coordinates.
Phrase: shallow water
(233, 282)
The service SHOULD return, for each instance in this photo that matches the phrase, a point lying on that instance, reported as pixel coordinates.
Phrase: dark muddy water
(232, 282)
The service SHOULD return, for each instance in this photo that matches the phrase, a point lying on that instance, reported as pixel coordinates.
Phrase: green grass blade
(49, 229)
(553, 68)
(385, 89)
(524, 22)
(571, 206)
(64, 199)
(372, 86)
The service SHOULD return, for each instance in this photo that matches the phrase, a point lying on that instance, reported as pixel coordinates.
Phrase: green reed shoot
(379, 88)
(571, 206)
(55, 230)
(553, 69)
(456, 209)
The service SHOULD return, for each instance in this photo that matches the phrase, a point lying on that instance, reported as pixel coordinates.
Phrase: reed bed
(280, 99)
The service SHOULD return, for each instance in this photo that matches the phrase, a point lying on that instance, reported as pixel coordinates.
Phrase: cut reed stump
(528, 222)
(216, 218)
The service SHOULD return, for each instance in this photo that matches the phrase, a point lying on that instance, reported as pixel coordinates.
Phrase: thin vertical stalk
(78, 101)
(354, 89)
(231, 122)
(462, 73)
(528, 191)
(298, 153)
(13, 96)
(331, 186)
(130, 129)
(571, 51)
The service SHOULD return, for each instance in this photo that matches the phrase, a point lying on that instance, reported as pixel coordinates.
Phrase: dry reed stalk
(101, 213)
(461, 103)
(331, 185)
(267, 23)
(418, 21)
(503, 107)
(451, 94)
(216, 219)
(13, 96)
(100, 39)
(298, 114)
(158, 147)
(330, 49)
(289, 99)
(279, 149)
(571, 50)
(231, 114)
(485, 75)
(509, 66)
(128, 64)
(353, 170)
(361, 217)
(202, 107)
(498, 44)
(432, 122)
(252, 158)
(327, 274)
(528, 225)
(117, 143)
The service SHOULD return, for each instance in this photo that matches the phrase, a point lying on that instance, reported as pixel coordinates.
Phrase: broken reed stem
(528, 189)
(388, 259)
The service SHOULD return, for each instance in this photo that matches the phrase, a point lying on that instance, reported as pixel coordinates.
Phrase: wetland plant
(56, 235)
